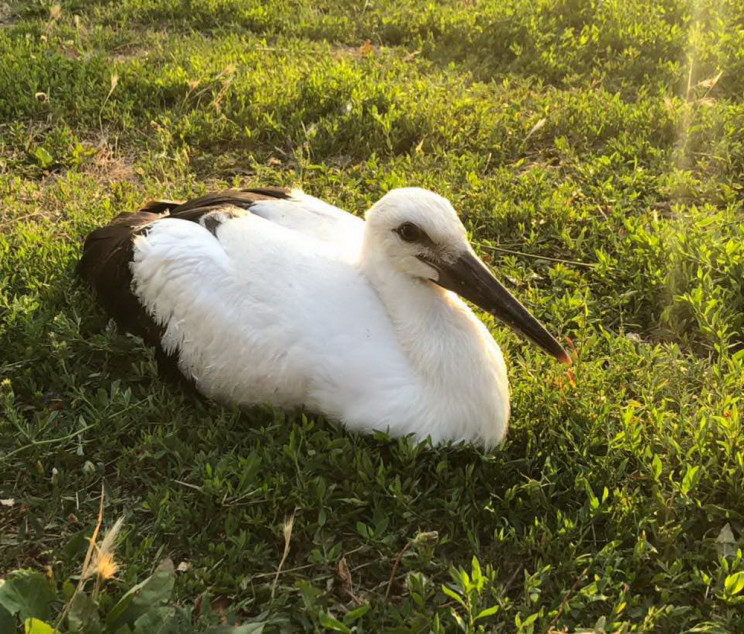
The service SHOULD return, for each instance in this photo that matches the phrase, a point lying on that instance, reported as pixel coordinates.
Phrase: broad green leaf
(487, 612)
(656, 466)
(531, 619)
(734, 584)
(356, 614)
(690, 480)
(68, 590)
(26, 593)
(83, 616)
(453, 595)
(332, 623)
(42, 155)
(477, 574)
(158, 620)
(149, 594)
(35, 626)
(7, 620)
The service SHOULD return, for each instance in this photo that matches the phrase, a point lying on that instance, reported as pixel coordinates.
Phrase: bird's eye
(409, 232)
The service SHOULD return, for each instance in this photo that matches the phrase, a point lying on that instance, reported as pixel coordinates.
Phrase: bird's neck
(449, 349)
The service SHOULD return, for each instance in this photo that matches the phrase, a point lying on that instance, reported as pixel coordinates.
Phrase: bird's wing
(292, 209)
(108, 252)
(313, 218)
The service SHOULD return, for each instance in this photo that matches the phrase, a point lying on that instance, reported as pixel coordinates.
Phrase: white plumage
(295, 302)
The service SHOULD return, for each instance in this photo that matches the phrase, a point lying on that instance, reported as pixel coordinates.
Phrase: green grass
(608, 133)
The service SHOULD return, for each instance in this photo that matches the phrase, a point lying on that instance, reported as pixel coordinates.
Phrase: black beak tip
(471, 279)
(554, 349)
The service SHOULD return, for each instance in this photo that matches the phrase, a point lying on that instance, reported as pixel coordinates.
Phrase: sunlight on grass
(595, 151)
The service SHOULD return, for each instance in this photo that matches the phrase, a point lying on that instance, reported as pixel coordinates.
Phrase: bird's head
(421, 235)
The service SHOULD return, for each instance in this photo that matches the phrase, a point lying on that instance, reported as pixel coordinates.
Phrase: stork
(274, 296)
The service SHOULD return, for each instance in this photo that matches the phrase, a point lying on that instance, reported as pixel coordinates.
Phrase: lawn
(595, 150)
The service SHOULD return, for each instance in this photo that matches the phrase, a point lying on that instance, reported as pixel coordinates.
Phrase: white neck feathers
(451, 352)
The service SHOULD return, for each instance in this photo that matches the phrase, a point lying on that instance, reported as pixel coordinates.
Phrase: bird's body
(269, 296)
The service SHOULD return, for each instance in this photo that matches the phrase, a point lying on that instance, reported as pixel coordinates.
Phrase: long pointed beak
(471, 279)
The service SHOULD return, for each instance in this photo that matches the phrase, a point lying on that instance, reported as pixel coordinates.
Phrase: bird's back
(108, 252)
(251, 304)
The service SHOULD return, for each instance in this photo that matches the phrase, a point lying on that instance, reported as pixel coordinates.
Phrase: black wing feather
(108, 252)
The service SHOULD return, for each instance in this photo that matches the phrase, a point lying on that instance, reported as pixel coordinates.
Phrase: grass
(607, 135)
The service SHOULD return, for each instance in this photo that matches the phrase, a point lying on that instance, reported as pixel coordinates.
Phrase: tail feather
(104, 265)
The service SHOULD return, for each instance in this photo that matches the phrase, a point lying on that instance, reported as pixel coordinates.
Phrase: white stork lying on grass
(273, 296)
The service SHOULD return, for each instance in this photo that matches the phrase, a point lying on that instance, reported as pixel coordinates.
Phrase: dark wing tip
(161, 207)
(109, 243)
(281, 193)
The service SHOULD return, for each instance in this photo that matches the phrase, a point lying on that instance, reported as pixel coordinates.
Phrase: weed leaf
(35, 626)
(27, 594)
(149, 594)
(83, 616)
